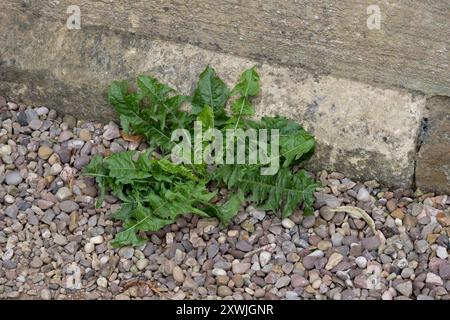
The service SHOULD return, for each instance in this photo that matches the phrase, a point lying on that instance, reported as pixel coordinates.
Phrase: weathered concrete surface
(411, 49)
(363, 131)
(433, 162)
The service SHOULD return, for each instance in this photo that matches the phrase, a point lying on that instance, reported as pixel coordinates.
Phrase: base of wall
(363, 131)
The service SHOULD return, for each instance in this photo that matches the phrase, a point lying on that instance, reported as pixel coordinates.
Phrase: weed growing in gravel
(154, 191)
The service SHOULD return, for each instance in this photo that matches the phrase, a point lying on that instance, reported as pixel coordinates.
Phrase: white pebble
(256, 266)
(8, 255)
(287, 223)
(46, 294)
(169, 238)
(9, 199)
(63, 193)
(46, 234)
(96, 240)
(233, 233)
(102, 282)
(35, 124)
(104, 260)
(5, 150)
(222, 239)
(55, 169)
(434, 279)
(219, 272)
(142, 264)
(441, 252)
(41, 111)
(402, 263)
(361, 262)
(363, 195)
(264, 258)
(386, 295)
(12, 106)
(89, 247)
(336, 239)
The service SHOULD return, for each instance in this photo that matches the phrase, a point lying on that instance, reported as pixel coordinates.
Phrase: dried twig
(268, 247)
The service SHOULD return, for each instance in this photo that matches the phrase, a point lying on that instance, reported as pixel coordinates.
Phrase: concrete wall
(410, 50)
(361, 92)
(433, 159)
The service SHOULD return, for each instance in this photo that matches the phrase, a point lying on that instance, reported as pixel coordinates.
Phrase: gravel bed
(54, 243)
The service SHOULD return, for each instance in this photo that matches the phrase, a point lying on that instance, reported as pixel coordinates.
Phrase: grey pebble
(68, 206)
(11, 211)
(126, 252)
(240, 267)
(36, 263)
(371, 243)
(283, 282)
(244, 246)
(81, 162)
(13, 178)
(404, 288)
(308, 222)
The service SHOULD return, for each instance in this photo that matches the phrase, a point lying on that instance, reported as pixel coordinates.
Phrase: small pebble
(96, 240)
(45, 152)
(361, 262)
(442, 252)
(287, 223)
(178, 274)
(13, 178)
(363, 195)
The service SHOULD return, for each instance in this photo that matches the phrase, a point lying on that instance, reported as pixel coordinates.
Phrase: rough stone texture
(364, 131)
(410, 50)
(433, 161)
